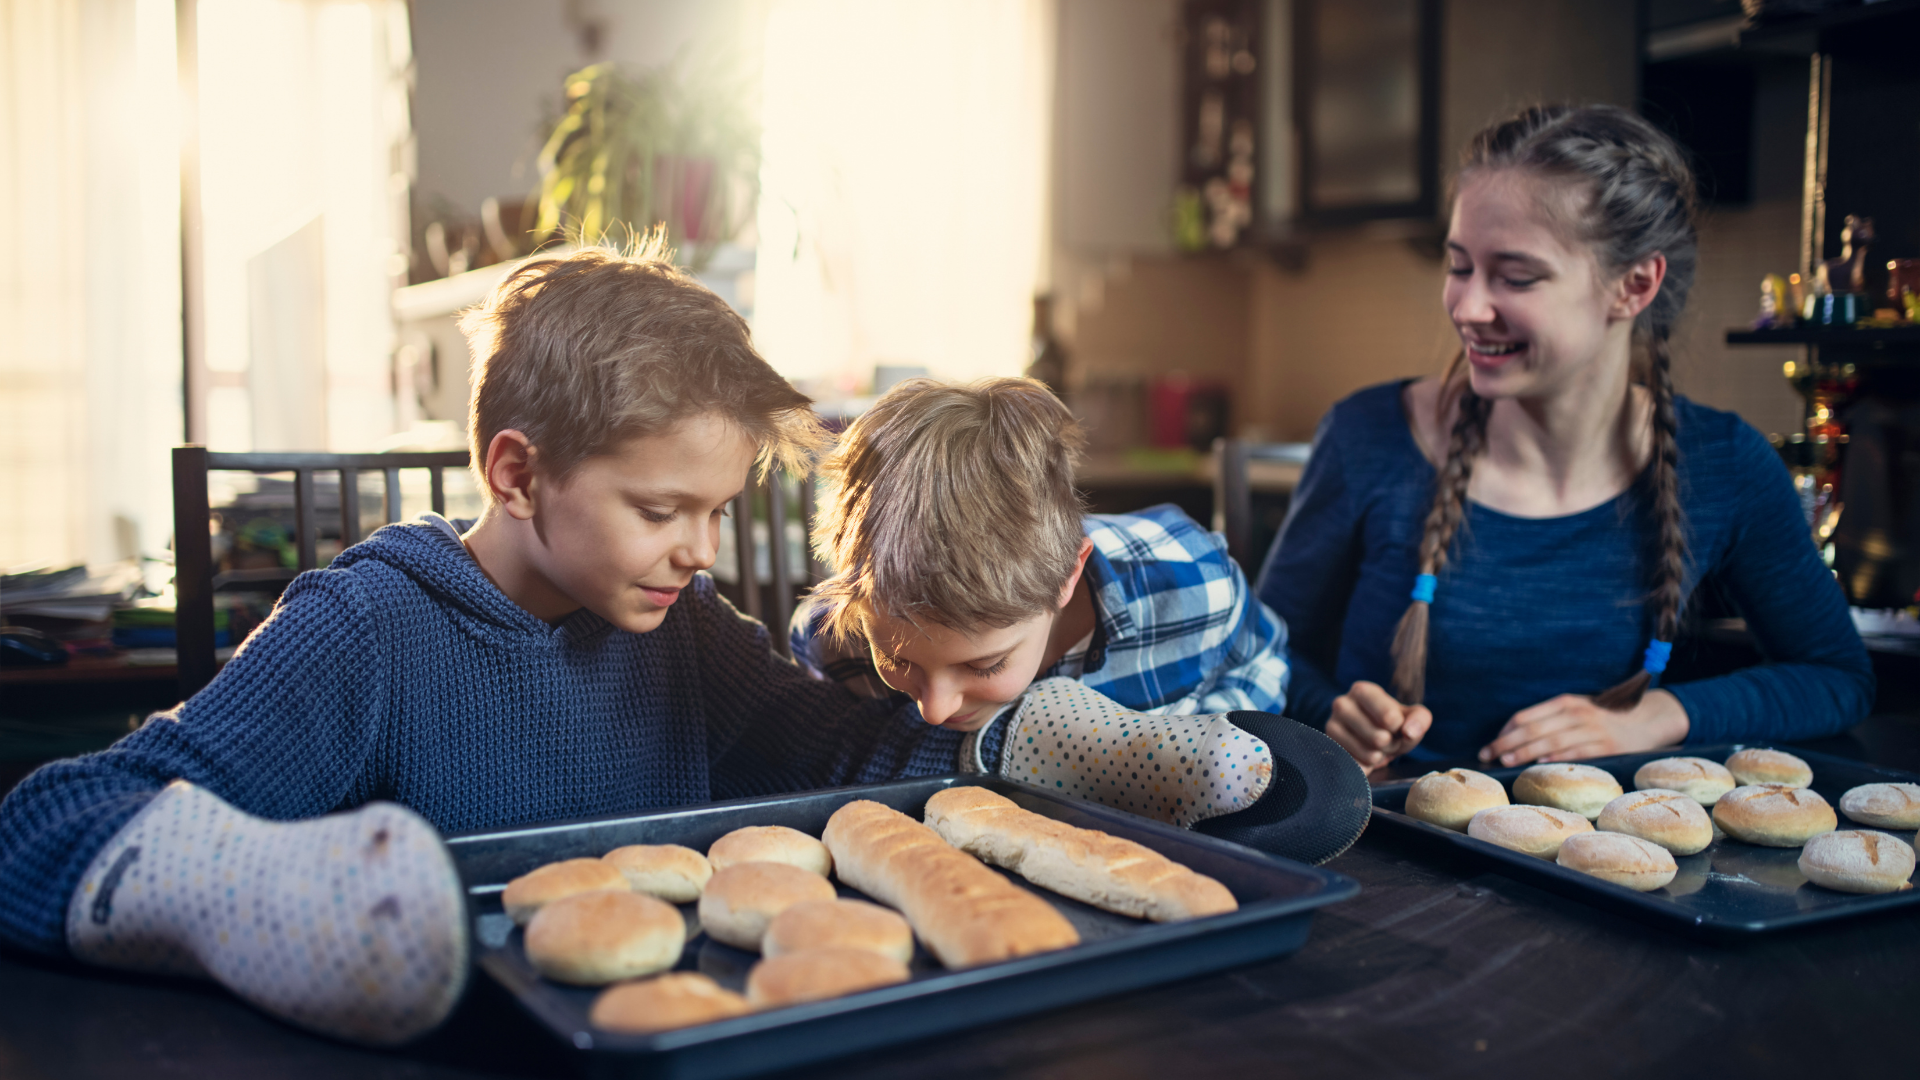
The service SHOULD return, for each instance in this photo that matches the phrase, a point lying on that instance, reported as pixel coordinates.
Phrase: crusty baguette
(1110, 873)
(966, 914)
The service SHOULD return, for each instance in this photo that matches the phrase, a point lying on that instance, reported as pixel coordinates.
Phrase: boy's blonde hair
(583, 350)
(950, 504)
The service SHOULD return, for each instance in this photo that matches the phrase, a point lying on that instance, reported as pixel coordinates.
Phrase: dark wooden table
(1438, 968)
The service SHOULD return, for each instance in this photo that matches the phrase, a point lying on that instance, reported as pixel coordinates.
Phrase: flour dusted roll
(673, 873)
(1858, 861)
(771, 843)
(1755, 766)
(665, 1003)
(965, 913)
(1450, 799)
(1697, 778)
(1582, 789)
(531, 891)
(819, 974)
(1885, 806)
(1774, 815)
(1640, 865)
(740, 901)
(839, 924)
(592, 939)
(1534, 830)
(1110, 873)
(1668, 818)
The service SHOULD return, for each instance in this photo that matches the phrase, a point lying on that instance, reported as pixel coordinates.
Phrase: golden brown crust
(673, 873)
(1673, 820)
(1088, 865)
(1582, 789)
(1697, 778)
(844, 924)
(771, 843)
(741, 900)
(1755, 766)
(1640, 865)
(1858, 861)
(531, 891)
(1774, 815)
(592, 939)
(667, 1002)
(819, 974)
(1533, 830)
(1450, 799)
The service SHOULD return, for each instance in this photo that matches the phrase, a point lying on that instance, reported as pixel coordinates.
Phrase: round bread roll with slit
(667, 1002)
(1582, 789)
(771, 843)
(597, 938)
(839, 924)
(673, 873)
(1858, 861)
(739, 901)
(1774, 815)
(1752, 767)
(1450, 799)
(532, 891)
(1668, 818)
(1640, 865)
(1532, 830)
(819, 974)
(1885, 806)
(1697, 778)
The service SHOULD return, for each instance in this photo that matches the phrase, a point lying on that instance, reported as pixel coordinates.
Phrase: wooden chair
(1242, 470)
(193, 548)
(772, 601)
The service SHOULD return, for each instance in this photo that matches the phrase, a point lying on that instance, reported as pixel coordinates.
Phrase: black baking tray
(1731, 890)
(1277, 899)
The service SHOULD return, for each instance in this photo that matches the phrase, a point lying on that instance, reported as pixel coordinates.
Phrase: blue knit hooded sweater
(401, 672)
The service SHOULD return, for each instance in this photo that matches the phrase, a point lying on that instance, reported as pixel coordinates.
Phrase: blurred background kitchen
(250, 224)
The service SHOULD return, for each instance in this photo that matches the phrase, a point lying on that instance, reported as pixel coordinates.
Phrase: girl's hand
(1375, 728)
(1570, 727)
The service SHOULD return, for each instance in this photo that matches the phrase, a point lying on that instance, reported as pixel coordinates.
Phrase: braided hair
(1640, 202)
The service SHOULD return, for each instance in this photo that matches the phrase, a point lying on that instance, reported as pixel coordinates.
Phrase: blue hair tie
(1423, 586)
(1657, 654)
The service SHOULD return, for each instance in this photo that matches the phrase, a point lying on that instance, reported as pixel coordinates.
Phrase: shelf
(1869, 24)
(1826, 335)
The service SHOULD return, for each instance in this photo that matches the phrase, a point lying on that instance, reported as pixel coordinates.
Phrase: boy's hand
(1375, 728)
(1571, 726)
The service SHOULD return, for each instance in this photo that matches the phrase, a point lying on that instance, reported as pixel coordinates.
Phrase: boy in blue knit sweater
(563, 658)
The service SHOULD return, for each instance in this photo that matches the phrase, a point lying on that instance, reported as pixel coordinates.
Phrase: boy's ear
(510, 473)
(1079, 565)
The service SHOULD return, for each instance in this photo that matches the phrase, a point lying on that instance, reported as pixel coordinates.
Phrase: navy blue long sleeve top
(1529, 608)
(402, 673)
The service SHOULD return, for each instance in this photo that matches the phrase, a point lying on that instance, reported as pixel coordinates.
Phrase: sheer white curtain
(903, 215)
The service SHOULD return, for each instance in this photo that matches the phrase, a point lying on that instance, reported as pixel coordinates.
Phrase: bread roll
(839, 924)
(1697, 778)
(819, 974)
(1774, 815)
(966, 914)
(1450, 799)
(673, 873)
(1110, 873)
(1534, 830)
(1640, 865)
(1752, 767)
(531, 891)
(1668, 818)
(771, 843)
(664, 1003)
(592, 939)
(741, 900)
(1858, 861)
(1888, 806)
(1582, 789)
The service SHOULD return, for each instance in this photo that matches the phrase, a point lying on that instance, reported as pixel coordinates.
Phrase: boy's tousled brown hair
(585, 349)
(950, 504)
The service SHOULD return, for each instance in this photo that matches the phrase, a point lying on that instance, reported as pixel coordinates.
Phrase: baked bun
(818, 974)
(531, 891)
(675, 1000)
(843, 924)
(592, 939)
(1769, 767)
(1668, 818)
(1534, 830)
(1450, 799)
(673, 873)
(1888, 806)
(1857, 861)
(740, 901)
(771, 843)
(1774, 815)
(1640, 865)
(1582, 789)
(1697, 778)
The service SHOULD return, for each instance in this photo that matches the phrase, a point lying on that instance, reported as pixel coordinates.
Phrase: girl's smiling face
(1531, 306)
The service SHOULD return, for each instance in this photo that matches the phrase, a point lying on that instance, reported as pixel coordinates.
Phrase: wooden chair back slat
(777, 558)
(306, 527)
(349, 507)
(392, 505)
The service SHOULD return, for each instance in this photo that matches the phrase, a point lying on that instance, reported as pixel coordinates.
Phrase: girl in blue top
(1510, 546)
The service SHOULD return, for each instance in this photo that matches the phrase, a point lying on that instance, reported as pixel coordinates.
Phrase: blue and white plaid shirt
(1179, 630)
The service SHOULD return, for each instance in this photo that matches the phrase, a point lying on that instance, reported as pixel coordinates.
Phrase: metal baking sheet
(1730, 890)
(1277, 898)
